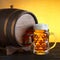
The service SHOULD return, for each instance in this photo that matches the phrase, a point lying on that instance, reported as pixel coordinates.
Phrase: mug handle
(54, 40)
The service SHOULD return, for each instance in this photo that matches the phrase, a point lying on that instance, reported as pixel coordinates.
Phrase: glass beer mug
(41, 39)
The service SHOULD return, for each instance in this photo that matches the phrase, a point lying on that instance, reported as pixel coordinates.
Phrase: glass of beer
(41, 39)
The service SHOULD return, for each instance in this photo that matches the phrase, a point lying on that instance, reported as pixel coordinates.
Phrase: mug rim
(41, 26)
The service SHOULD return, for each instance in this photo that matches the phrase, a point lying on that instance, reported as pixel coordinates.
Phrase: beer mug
(41, 39)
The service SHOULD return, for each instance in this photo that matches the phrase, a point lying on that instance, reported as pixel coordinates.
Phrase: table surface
(54, 54)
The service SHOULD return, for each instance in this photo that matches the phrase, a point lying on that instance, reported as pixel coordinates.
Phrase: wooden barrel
(13, 24)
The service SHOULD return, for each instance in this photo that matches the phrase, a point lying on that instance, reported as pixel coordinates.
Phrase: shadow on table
(54, 54)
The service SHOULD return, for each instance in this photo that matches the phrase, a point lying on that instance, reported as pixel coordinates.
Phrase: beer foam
(41, 26)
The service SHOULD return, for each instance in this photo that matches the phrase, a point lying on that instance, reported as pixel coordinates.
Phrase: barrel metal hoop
(12, 27)
(6, 22)
(5, 26)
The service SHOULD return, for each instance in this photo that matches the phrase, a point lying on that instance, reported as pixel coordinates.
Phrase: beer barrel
(13, 24)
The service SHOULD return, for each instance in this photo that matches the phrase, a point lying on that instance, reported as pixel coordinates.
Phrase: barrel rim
(25, 12)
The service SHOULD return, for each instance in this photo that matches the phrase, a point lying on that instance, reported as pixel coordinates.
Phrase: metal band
(12, 27)
(6, 22)
(5, 26)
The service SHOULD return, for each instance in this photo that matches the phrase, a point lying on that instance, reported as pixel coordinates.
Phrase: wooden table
(53, 55)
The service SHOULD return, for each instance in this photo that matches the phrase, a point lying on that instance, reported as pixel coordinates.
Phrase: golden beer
(40, 41)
